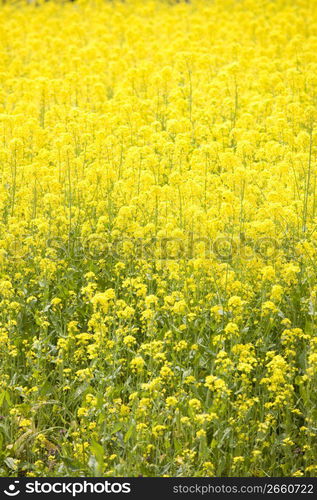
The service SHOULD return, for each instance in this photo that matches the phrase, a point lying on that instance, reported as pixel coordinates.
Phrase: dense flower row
(154, 121)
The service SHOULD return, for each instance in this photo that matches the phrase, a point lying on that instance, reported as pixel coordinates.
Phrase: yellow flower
(25, 422)
(158, 430)
(137, 364)
(269, 307)
(102, 299)
(231, 329)
(194, 403)
(217, 385)
(201, 434)
(171, 401)
(129, 340)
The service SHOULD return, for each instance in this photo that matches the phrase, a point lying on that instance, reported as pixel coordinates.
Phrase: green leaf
(5, 396)
(11, 463)
(129, 432)
(98, 451)
(117, 428)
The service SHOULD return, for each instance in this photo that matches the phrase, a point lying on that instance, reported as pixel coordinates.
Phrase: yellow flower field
(158, 290)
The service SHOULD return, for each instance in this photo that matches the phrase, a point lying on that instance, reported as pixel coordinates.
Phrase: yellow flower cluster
(158, 238)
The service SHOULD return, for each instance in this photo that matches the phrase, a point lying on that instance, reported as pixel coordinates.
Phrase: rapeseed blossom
(158, 238)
